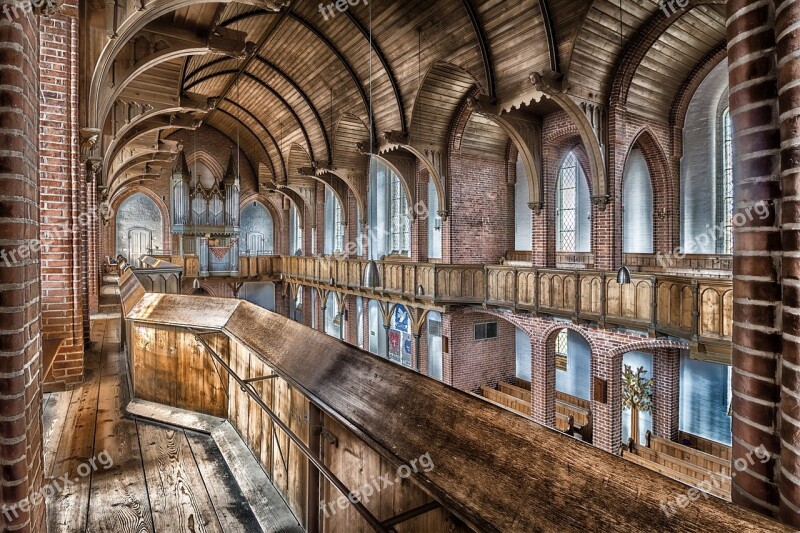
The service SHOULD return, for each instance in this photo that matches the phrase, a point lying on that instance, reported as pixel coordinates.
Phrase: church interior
(421, 266)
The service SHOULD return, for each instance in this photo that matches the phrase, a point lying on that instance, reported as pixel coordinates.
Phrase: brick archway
(544, 360)
(666, 374)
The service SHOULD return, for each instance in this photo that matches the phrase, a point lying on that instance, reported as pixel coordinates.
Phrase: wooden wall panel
(171, 368)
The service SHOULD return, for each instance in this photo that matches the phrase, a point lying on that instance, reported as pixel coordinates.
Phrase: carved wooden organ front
(206, 219)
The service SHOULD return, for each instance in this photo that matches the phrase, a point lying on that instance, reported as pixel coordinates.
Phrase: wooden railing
(699, 309)
(720, 264)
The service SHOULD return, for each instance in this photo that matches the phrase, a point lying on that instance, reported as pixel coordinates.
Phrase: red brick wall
(20, 341)
(481, 220)
(486, 362)
(63, 196)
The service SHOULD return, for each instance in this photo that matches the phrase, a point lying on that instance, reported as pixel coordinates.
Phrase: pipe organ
(206, 220)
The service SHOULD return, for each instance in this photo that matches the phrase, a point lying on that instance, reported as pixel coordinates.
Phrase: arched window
(338, 227)
(637, 205)
(257, 229)
(334, 223)
(727, 182)
(572, 213)
(400, 220)
(388, 213)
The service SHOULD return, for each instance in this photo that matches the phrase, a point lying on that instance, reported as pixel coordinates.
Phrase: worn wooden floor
(162, 479)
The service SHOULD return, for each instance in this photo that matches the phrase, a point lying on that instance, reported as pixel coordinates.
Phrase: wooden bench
(718, 486)
(567, 408)
(506, 400)
(708, 446)
(689, 455)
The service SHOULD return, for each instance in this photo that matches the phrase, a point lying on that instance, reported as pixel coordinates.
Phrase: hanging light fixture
(623, 276)
(196, 284)
(372, 277)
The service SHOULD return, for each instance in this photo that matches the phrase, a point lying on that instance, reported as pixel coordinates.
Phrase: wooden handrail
(394, 409)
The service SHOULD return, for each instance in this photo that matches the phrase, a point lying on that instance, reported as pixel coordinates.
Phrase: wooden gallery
(418, 266)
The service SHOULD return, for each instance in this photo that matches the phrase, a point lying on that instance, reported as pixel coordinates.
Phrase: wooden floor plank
(54, 419)
(232, 509)
(178, 497)
(119, 501)
(68, 506)
(270, 508)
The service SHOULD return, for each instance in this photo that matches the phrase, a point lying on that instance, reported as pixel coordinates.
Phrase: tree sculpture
(637, 395)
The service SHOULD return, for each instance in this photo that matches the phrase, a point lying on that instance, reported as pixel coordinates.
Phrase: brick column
(64, 220)
(20, 358)
(350, 323)
(787, 17)
(419, 224)
(757, 249)
(607, 417)
(543, 381)
(666, 401)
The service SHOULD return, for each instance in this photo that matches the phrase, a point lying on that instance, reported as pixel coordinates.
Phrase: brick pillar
(543, 381)
(64, 221)
(419, 224)
(787, 17)
(607, 416)
(757, 249)
(350, 323)
(666, 375)
(94, 258)
(20, 341)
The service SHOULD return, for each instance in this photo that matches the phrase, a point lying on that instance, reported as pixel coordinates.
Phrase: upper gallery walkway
(693, 301)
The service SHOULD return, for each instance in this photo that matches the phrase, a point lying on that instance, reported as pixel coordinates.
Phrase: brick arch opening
(476, 315)
(544, 361)
(666, 375)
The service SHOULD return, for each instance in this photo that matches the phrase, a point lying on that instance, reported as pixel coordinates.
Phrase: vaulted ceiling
(299, 88)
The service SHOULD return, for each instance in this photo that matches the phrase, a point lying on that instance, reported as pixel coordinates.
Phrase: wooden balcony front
(698, 309)
(323, 418)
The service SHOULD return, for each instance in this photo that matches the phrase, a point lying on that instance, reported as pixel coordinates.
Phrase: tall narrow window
(400, 221)
(562, 350)
(727, 182)
(338, 227)
(566, 230)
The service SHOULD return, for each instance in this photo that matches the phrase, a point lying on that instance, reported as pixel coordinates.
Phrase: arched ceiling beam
(551, 36)
(287, 78)
(295, 199)
(327, 42)
(275, 93)
(386, 67)
(121, 34)
(169, 43)
(269, 134)
(153, 156)
(268, 33)
(483, 45)
(264, 152)
(120, 186)
(551, 85)
(151, 125)
(327, 179)
(641, 43)
(527, 139)
(349, 181)
(120, 139)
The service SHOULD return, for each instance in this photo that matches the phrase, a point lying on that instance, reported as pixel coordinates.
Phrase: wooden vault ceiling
(282, 77)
